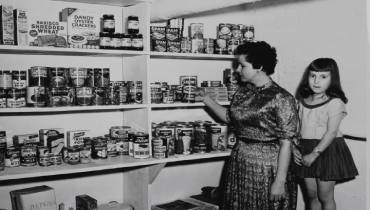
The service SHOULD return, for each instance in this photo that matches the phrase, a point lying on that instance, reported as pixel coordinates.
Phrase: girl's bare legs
(311, 186)
(326, 194)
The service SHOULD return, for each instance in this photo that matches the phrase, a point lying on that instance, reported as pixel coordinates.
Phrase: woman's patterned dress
(259, 115)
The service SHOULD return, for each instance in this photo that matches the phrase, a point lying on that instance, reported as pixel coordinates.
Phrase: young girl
(323, 156)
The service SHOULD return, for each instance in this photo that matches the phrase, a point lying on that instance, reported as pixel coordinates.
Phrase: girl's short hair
(323, 65)
(259, 54)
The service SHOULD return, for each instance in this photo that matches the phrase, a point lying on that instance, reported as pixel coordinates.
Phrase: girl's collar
(315, 105)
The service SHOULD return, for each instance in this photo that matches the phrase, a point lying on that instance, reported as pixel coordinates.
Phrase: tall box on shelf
(6, 25)
(20, 27)
(46, 33)
(39, 197)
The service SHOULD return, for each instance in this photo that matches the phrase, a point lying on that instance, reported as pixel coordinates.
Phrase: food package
(39, 197)
(159, 45)
(173, 34)
(20, 27)
(83, 28)
(77, 137)
(158, 33)
(46, 33)
(26, 140)
(52, 138)
(85, 202)
(6, 25)
(174, 46)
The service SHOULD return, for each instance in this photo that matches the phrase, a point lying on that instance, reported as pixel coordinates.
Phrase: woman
(260, 171)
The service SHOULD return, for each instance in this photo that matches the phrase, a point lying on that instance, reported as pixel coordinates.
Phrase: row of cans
(170, 138)
(39, 96)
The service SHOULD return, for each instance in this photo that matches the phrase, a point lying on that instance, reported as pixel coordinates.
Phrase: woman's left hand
(308, 159)
(277, 191)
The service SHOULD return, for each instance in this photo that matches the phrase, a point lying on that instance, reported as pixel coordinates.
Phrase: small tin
(168, 97)
(38, 76)
(248, 32)
(44, 160)
(73, 155)
(85, 155)
(55, 159)
(36, 96)
(123, 94)
(155, 93)
(60, 96)
(167, 132)
(19, 79)
(232, 44)
(219, 137)
(98, 98)
(208, 44)
(220, 46)
(119, 132)
(122, 146)
(3, 96)
(197, 46)
(28, 156)
(111, 147)
(236, 31)
(160, 148)
(84, 96)
(65, 154)
(58, 77)
(12, 156)
(179, 94)
(224, 31)
(99, 149)
(141, 145)
(42, 150)
(15, 98)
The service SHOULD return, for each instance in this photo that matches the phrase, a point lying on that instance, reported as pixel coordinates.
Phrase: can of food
(185, 45)
(15, 98)
(160, 147)
(28, 156)
(6, 80)
(12, 157)
(248, 32)
(85, 155)
(219, 137)
(201, 140)
(197, 46)
(44, 160)
(90, 77)
(109, 95)
(155, 93)
(232, 44)
(3, 96)
(55, 159)
(98, 96)
(111, 147)
(57, 77)
(206, 84)
(65, 154)
(84, 96)
(220, 46)
(135, 92)
(232, 88)
(236, 31)
(208, 44)
(184, 139)
(216, 83)
(38, 76)
(179, 94)
(2, 158)
(168, 133)
(101, 77)
(42, 150)
(231, 138)
(224, 31)
(188, 94)
(189, 80)
(122, 146)
(19, 79)
(77, 76)
(119, 132)
(36, 96)
(73, 155)
(141, 145)
(131, 143)
(99, 149)
(196, 30)
(60, 96)
(168, 97)
(123, 94)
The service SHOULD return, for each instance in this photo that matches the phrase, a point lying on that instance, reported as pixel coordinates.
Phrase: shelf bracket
(154, 170)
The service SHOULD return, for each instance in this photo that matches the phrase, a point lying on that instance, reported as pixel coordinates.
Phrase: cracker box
(77, 137)
(39, 197)
(46, 33)
(85, 202)
(20, 27)
(52, 138)
(6, 25)
(26, 140)
(83, 28)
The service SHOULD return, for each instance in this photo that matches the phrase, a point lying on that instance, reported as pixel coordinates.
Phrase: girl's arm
(330, 134)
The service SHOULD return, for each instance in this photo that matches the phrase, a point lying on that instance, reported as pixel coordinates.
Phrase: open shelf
(179, 104)
(167, 55)
(121, 3)
(98, 165)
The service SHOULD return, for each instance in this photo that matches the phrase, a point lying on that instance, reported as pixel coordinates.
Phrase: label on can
(248, 33)
(78, 76)
(174, 46)
(141, 146)
(232, 44)
(60, 96)
(111, 148)
(3, 96)
(135, 92)
(84, 96)
(219, 137)
(98, 96)
(224, 31)
(119, 132)
(38, 76)
(122, 147)
(101, 77)
(99, 149)
(168, 133)
(220, 46)
(168, 97)
(160, 148)
(131, 144)
(6, 81)
(208, 45)
(189, 80)
(197, 46)
(58, 77)
(188, 94)
(36, 96)
(12, 157)
(28, 156)
(16, 98)
(19, 79)
(185, 45)
(201, 142)
(184, 140)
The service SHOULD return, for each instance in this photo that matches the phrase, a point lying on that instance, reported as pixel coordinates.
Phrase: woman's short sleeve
(335, 107)
(287, 118)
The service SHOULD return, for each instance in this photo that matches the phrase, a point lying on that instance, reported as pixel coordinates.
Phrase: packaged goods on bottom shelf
(184, 204)
(39, 197)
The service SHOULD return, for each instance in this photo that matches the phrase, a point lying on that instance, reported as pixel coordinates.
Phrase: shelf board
(191, 56)
(98, 165)
(9, 49)
(121, 3)
(71, 108)
(179, 104)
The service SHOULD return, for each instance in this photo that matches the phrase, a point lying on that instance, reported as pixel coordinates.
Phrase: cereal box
(83, 28)
(20, 27)
(46, 33)
(6, 25)
(77, 137)
(52, 138)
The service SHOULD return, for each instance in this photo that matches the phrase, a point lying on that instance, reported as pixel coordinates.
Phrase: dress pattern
(260, 115)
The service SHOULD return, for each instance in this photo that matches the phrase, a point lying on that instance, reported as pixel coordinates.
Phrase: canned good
(3, 96)
(109, 95)
(135, 92)
(28, 156)
(208, 45)
(168, 133)
(131, 143)
(189, 80)
(36, 96)
(58, 77)
(168, 97)
(19, 79)
(197, 46)
(78, 76)
(65, 154)
(44, 160)
(224, 31)
(160, 147)
(111, 147)
(155, 93)
(90, 78)
(85, 155)
(55, 159)
(196, 30)
(141, 145)
(6, 80)
(73, 155)
(248, 32)
(119, 132)
(42, 150)
(99, 149)
(12, 156)
(98, 96)
(185, 45)
(184, 135)
(123, 94)
(236, 31)
(60, 96)
(179, 94)
(2, 158)
(84, 96)
(201, 140)
(220, 46)
(219, 137)
(122, 146)
(232, 44)
(38, 76)
(15, 98)
(188, 94)
(101, 77)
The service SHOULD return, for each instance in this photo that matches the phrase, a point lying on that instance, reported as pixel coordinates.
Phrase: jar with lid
(109, 23)
(126, 42)
(133, 24)
(74, 155)
(115, 42)
(137, 42)
(105, 39)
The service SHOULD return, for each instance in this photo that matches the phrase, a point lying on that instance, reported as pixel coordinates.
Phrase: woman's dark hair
(323, 65)
(259, 54)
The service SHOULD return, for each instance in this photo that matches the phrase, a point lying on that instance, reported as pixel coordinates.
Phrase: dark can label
(84, 96)
(141, 145)
(3, 97)
(12, 157)
(188, 94)
(90, 80)
(201, 141)
(208, 45)
(122, 146)
(135, 92)
(77, 76)
(123, 94)
(2, 158)
(224, 31)
(38, 76)
(61, 96)
(168, 97)
(167, 133)
(98, 97)
(36, 96)
(99, 149)
(28, 156)
(101, 77)
(219, 137)
(15, 98)
(58, 77)
(184, 140)
(248, 33)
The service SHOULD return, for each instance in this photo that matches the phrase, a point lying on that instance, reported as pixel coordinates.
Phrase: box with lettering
(6, 25)
(46, 33)
(52, 138)
(77, 137)
(158, 33)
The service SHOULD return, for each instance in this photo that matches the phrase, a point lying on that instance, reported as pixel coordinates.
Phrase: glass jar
(126, 42)
(133, 24)
(137, 42)
(115, 42)
(105, 40)
(109, 23)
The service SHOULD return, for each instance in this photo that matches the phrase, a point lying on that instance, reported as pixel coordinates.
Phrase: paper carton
(34, 198)
(6, 25)
(20, 27)
(46, 33)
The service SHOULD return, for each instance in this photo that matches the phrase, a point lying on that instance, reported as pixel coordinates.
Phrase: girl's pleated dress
(335, 162)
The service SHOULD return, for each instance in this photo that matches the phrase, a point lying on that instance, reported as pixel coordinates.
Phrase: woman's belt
(255, 141)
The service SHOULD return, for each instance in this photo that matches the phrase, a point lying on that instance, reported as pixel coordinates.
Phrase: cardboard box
(40, 198)
(26, 140)
(158, 33)
(174, 46)
(77, 137)
(6, 25)
(20, 27)
(46, 33)
(85, 202)
(52, 138)
(83, 28)
(159, 45)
